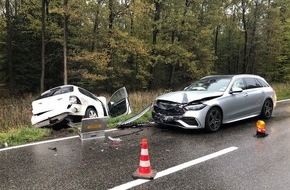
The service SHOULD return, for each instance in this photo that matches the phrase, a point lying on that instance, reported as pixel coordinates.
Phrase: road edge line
(46, 141)
(177, 168)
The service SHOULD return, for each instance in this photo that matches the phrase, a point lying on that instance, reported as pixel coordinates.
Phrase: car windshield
(209, 84)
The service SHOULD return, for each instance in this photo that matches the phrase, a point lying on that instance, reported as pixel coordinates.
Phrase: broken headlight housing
(194, 107)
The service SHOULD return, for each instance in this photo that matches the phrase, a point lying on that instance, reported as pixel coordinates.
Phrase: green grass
(15, 127)
(23, 135)
(282, 90)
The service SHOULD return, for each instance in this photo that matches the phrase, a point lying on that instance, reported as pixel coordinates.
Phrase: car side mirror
(236, 90)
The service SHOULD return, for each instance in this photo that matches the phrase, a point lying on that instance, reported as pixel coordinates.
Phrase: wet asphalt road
(257, 163)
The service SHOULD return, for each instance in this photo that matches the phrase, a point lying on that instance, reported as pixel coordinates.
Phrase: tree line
(140, 44)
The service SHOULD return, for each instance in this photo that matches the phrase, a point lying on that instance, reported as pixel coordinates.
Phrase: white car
(72, 103)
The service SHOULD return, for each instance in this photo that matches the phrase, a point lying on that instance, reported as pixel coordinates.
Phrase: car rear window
(56, 91)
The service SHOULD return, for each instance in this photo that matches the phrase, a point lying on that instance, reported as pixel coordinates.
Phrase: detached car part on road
(215, 100)
(72, 103)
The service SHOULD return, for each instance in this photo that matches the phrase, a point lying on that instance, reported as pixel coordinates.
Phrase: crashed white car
(72, 103)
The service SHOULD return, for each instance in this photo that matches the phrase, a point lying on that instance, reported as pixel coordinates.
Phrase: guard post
(93, 128)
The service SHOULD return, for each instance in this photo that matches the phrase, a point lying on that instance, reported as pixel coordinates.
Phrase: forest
(102, 45)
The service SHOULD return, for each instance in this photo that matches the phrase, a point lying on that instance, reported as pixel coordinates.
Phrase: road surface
(231, 158)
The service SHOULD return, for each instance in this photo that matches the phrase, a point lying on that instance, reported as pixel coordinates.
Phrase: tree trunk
(109, 48)
(154, 37)
(173, 66)
(253, 36)
(65, 42)
(216, 39)
(245, 60)
(156, 18)
(187, 3)
(42, 46)
(9, 46)
(96, 28)
(111, 17)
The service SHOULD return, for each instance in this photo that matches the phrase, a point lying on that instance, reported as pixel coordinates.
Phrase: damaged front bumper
(182, 121)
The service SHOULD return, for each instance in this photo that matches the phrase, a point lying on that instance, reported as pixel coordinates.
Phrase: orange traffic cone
(144, 171)
(261, 129)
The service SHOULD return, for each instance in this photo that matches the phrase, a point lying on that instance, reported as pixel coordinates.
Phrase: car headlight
(194, 107)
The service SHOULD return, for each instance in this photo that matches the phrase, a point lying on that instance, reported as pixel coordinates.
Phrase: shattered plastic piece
(114, 139)
(134, 118)
(54, 148)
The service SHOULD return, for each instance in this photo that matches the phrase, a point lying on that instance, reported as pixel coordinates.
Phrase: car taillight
(74, 100)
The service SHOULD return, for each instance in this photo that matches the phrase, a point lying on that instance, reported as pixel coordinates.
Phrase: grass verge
(23, 135)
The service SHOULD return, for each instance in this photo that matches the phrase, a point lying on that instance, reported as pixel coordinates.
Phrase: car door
(236, 104)
(119, 103)
(255, 95)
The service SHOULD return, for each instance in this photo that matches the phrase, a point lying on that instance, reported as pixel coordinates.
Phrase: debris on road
(54, 148)
(114, 139)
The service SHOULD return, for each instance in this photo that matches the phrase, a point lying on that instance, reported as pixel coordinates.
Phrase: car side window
(87, 93)
(252, 83)
(239, 83)
(263, 83)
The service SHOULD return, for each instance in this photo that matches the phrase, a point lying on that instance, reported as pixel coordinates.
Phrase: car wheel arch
(208, 128)
(90, 108)
(221, 110)
(263, 114)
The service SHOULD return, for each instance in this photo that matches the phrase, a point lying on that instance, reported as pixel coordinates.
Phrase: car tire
(91, 113)
(213, 119)
(267, 109)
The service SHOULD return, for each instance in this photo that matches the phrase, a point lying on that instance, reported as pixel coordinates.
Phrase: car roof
(231, 76)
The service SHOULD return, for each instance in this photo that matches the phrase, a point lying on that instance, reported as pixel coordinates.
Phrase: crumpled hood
(188, 96)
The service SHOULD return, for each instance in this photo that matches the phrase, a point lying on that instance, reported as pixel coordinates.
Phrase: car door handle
(245, 94)
(59, 99)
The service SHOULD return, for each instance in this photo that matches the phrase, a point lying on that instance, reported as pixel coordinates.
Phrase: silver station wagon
(215, 100)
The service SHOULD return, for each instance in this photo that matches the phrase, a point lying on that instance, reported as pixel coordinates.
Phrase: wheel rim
(214, 119)
(92, 114)
(268, 109)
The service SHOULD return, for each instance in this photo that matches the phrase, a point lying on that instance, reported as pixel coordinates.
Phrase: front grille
(168, 108)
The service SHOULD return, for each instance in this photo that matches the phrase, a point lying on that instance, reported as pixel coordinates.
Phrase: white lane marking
(47, 141)
(36, 143)
(175, 169)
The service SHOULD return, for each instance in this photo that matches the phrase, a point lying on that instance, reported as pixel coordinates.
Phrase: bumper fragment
(50, 118)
